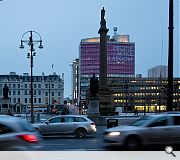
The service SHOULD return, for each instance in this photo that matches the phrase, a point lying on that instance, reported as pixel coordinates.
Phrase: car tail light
(29, 138)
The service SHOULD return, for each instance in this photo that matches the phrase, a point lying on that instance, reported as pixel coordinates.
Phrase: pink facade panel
(120, 58)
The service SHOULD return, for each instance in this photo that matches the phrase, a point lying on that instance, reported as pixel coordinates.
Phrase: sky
(63, 23)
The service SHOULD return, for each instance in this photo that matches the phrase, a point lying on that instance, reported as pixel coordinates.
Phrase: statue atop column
(5, 91)
(94, 86)
(102, 14)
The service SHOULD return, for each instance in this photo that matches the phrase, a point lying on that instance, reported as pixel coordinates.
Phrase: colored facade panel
(120, 59)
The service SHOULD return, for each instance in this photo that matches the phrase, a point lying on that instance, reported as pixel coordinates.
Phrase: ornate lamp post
(31, 43)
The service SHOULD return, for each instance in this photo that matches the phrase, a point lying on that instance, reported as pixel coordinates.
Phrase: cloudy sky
(63, 23)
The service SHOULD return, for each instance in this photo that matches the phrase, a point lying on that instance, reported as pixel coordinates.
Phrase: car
(157, 129)
(17, 134)
(66, 125)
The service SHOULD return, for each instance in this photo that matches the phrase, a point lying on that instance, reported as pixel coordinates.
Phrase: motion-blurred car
(17, 134)
(149, 130)
(67, 125)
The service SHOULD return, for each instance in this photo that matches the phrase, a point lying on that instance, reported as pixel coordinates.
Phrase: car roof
(164, 114)
(69, 115)
(8, 118)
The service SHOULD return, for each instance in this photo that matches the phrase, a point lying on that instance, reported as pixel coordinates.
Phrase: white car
(149, 130)
(67, 125)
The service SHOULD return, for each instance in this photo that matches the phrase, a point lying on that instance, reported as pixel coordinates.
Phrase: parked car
(17, 134)
(148, 130)
(67, 124)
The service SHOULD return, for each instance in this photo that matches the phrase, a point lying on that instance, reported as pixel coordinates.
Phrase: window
(69, 119)
(18, 85)
(4, 129)
(19, 100)
(14, 100)
(35, 85)
(18, 92)
(34, 100)
(25, 100)
(176, 120)
(79, 119)
(25, 92)
(39, 100)
(54, 120)
(52, 93)
(14, 85)
(39, 92)
(46, 94)
(162, 121)
(52, 85)
(14, 92)
(47, 86)
(26, 126)
(39, 85)
(25, 85)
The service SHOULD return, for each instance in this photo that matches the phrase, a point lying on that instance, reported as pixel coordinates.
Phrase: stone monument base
(5, 105)
(105, 97)
(93, 106)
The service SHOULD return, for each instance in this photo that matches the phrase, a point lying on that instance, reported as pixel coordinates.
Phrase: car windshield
(141, 121)
(25, 126)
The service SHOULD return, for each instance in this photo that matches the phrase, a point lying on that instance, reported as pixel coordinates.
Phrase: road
(93, 142)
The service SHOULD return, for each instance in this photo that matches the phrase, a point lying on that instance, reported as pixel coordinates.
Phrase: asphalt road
(93, 142)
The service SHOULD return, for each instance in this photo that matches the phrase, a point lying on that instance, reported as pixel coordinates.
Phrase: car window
(62, 119)
(25, 126)
(67, 119)
(79, 119)
(176, 120)
(54, 120)
(5, 129)
(161, 121)
(141, 121)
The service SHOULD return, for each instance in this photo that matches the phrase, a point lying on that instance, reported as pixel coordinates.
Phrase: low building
(47, 91)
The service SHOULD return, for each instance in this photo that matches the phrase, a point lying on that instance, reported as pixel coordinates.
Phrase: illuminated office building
(120, 60)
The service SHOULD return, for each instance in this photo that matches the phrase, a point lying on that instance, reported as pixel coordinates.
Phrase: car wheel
(81, 132)
(132, 143)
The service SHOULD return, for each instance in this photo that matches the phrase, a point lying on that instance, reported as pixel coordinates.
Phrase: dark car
(17, 134)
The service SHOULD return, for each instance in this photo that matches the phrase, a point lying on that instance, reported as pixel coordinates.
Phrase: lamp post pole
(49, 97)
(30, 55)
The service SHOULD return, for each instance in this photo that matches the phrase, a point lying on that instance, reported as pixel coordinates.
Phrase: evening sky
(63, 23)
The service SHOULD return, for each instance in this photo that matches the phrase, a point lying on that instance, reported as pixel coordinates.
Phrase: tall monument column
(104, 92)
(103, 51)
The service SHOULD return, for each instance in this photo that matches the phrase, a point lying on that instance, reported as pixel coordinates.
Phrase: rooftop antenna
(115, 30)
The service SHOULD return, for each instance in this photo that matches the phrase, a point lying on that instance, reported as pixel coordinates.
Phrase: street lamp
(31, 43)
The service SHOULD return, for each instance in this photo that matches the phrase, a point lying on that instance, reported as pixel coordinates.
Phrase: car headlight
(114, 133)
